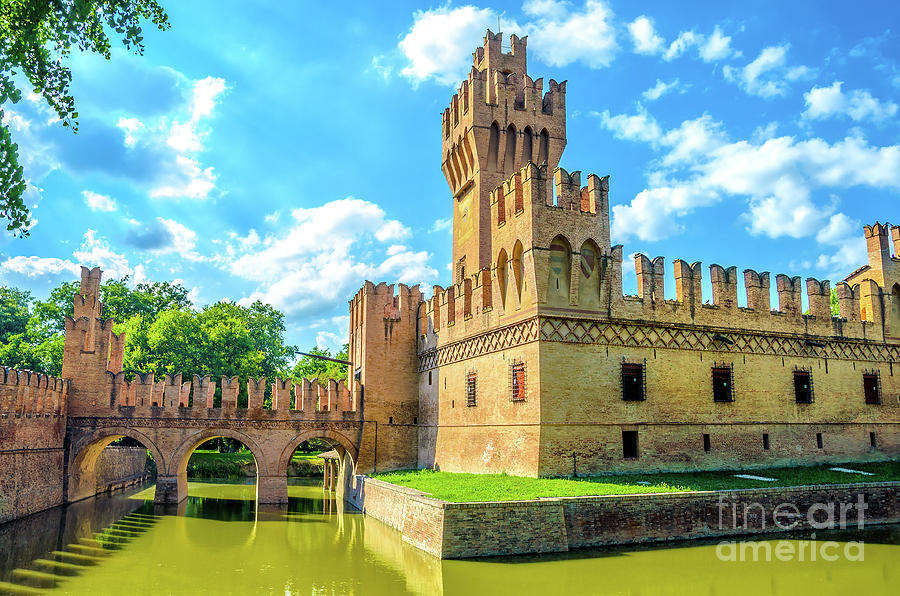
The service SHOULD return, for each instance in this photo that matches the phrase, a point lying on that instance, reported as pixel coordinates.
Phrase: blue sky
(289, 151)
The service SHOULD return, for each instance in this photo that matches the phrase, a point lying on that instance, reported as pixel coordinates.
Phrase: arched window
(509, 156)
(544, 148)
(493, 146)
(518, 268)
(589, 275)
(502, 274)
(560, 271)
(527, 145)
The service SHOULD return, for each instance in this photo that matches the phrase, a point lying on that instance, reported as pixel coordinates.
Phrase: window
(518, 381)
(429, 377)
(471, 381)
(819, 442)
(870, 388)
(390, 419)
(766, 441)
(629, 444)
(632, 381)
(872, 442)
(722, 383)
(803, 387)
(461, 269)
(706, 443)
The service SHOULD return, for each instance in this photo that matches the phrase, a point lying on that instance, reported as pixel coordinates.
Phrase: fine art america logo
(736, 516)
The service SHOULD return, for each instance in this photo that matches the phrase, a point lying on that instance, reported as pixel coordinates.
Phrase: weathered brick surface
(462, 530)
(117, 466)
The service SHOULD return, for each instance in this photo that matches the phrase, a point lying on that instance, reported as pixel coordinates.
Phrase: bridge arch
(86, 450)
(179, 461)
(342, 445)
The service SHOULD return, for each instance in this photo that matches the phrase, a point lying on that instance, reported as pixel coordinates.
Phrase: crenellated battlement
(170, 397)
(31, 394)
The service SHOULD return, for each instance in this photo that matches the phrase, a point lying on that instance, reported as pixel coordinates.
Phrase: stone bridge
(172, 419)
(172, 440)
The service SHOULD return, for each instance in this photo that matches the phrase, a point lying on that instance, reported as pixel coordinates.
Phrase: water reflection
(219, 541)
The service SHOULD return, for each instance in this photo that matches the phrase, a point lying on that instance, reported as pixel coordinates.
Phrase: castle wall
(31, 464)
(494, 435)
(584, 413)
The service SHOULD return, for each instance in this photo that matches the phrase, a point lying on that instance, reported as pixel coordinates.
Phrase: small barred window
(471, 386)
(870, 388)
(517, 381)
(632, 381)
(722, 383)
(803, 387)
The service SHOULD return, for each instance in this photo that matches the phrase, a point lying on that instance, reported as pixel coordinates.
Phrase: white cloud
(768, 74)
(684, 41)
(177, 140)
(96, 252)
(440, 41)
(824, 102)
(639, 127)
(324, 254)
(778, 177)
(34, 267)
(717, 47)
(98, 202)
(644, 37)
(562, 37)
(442, 224)
(661, 88)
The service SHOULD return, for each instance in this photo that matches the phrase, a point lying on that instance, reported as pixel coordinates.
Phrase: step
(76, 557)
(72, 568)
(33, 574)
(88, 550)
(7, 587)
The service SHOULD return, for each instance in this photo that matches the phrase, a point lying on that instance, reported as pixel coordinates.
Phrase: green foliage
(323, 370)
(500, 487)
(36, 39)
(165, 334)
(835, 308)
(13, 312)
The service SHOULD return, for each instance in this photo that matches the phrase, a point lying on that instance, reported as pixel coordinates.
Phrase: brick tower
(498, 121)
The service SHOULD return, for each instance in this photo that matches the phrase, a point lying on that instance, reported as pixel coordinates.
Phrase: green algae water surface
(219, 541)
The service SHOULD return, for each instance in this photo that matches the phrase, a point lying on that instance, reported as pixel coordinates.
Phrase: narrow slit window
(819, 443)
(471, 385)
(629, 444)
(803, 387)
(632, 381)
(766, 441)
(870, 388)
(707, 444)
(429, 377)
(518, 381)
(872, 441)
(722, 384)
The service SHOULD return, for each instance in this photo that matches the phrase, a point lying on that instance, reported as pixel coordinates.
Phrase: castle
(534, 363)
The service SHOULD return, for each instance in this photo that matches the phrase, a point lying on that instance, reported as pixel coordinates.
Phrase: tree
(13, 312)
(36, 38)
(323, 370)
(835, 307)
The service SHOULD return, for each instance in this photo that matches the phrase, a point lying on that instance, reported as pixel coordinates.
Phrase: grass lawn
(462, 488)
(212, 464)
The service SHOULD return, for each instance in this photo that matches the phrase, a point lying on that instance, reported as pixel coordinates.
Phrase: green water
(220, 542)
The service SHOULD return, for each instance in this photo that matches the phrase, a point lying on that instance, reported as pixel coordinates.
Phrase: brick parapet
(558, 524)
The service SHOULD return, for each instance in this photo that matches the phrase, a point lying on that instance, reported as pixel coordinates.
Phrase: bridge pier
(271, 489)
(168, 489)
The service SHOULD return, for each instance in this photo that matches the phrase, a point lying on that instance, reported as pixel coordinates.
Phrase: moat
(220, 541)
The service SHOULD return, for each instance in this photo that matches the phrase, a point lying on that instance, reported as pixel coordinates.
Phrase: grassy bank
(463, 488)
(212, 464)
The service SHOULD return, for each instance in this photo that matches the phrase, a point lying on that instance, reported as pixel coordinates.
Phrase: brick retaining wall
(121, 466)
(462, 530)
